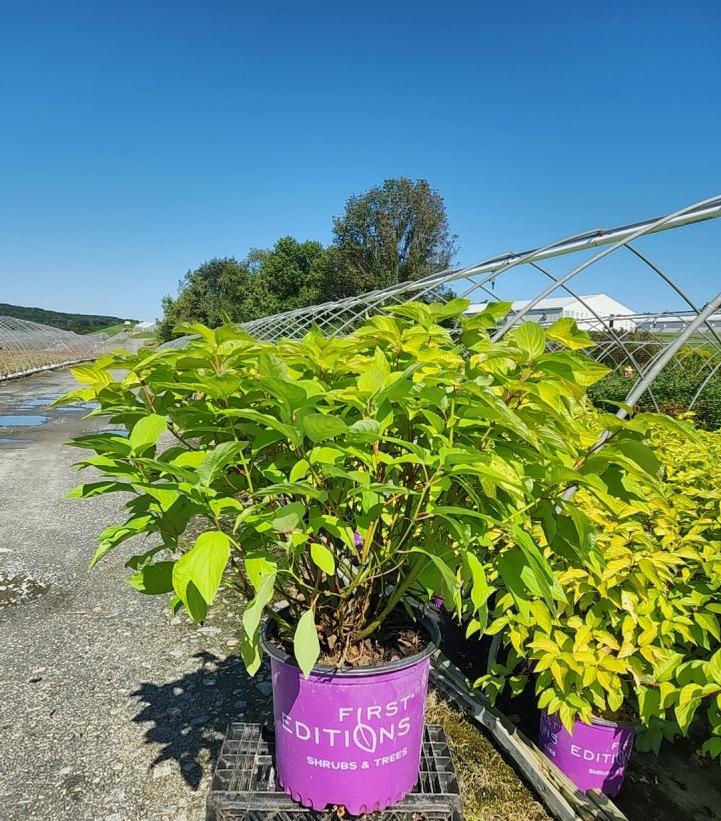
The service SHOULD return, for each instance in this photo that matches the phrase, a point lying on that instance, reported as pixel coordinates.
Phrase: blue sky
(140, 138)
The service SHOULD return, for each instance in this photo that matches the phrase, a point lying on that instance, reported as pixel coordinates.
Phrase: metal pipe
(669, 352)
(617, 239)
(705, 382)
(699, 212)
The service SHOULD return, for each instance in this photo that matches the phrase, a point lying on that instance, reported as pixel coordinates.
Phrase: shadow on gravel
(189, 716)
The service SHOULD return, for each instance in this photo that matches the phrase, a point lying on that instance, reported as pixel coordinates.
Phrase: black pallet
(244, 784)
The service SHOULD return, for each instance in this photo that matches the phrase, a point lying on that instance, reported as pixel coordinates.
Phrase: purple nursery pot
(350, 737)
(594, 757)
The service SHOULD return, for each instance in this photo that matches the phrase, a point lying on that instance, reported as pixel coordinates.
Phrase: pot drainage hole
(19, 588)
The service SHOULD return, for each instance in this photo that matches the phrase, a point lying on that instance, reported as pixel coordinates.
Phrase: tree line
(79, 323)
(395, 232)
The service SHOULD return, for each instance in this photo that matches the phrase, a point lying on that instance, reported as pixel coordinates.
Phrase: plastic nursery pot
(595, 756)
(350, 737)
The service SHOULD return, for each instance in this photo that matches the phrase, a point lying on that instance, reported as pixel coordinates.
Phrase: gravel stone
(163, 769)
(118, 723)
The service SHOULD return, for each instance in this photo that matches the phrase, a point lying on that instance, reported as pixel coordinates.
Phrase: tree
(291, 271)
(396, 232)
(79, 323)
(206, 294)
(287, 276)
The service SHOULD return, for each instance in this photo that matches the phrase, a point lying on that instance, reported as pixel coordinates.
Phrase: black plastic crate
(244, 784)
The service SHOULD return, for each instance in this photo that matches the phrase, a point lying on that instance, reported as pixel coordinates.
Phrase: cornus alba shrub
(638, 635)
(350, 476)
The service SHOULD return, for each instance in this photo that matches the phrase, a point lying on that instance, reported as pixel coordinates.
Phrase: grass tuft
(490, 787)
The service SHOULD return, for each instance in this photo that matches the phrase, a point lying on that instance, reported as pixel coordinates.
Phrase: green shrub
(674, 389)
(640, 628)
(349, 476)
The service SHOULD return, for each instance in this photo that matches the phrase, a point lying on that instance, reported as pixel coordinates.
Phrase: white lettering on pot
(356, 730)
(613, 756)
(327, 764)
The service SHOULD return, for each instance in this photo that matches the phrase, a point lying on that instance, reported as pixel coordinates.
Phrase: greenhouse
(29, 347)
(682, 336)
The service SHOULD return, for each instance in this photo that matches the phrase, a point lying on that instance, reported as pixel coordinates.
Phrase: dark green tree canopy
(214, 289)
(292, 271)
(396, 232)
(393, 233)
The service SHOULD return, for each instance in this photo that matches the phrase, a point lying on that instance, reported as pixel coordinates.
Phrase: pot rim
(622, 725)
(425, 622)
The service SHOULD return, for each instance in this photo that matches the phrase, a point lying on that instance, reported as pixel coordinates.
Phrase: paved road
(110, 709)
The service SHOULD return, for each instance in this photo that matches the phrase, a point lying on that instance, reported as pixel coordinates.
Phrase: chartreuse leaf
(197, 329)
(146, 431)
(91, 375)
(321, 426)
(714, 667)
(250, 648)
(488, 317)
(480, 589)
(115, 534)
(649, 703)
(712, 747)
(445, 310)
(688, 702)
(566, 333)
(271, 365)
(530, 338)
(306, 647)
(289, 392)
(258, 565)
(365, 430)
(323, 558)
(670, 424)
(216, 460)
(299, 470)
(97, 489)
(374, 376)
(197, 574)
(371, 381)
(708, 622)
(665, 663)
(288, 517)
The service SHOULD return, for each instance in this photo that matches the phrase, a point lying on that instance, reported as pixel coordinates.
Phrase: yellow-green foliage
(348, 476)
(641, 625)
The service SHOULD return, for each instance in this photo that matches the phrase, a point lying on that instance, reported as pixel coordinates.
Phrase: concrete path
(109, 710)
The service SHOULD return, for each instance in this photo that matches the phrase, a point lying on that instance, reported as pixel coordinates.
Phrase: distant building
(674, 323)
(584, 309)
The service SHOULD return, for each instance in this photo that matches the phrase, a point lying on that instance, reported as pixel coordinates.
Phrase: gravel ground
(111, 709)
